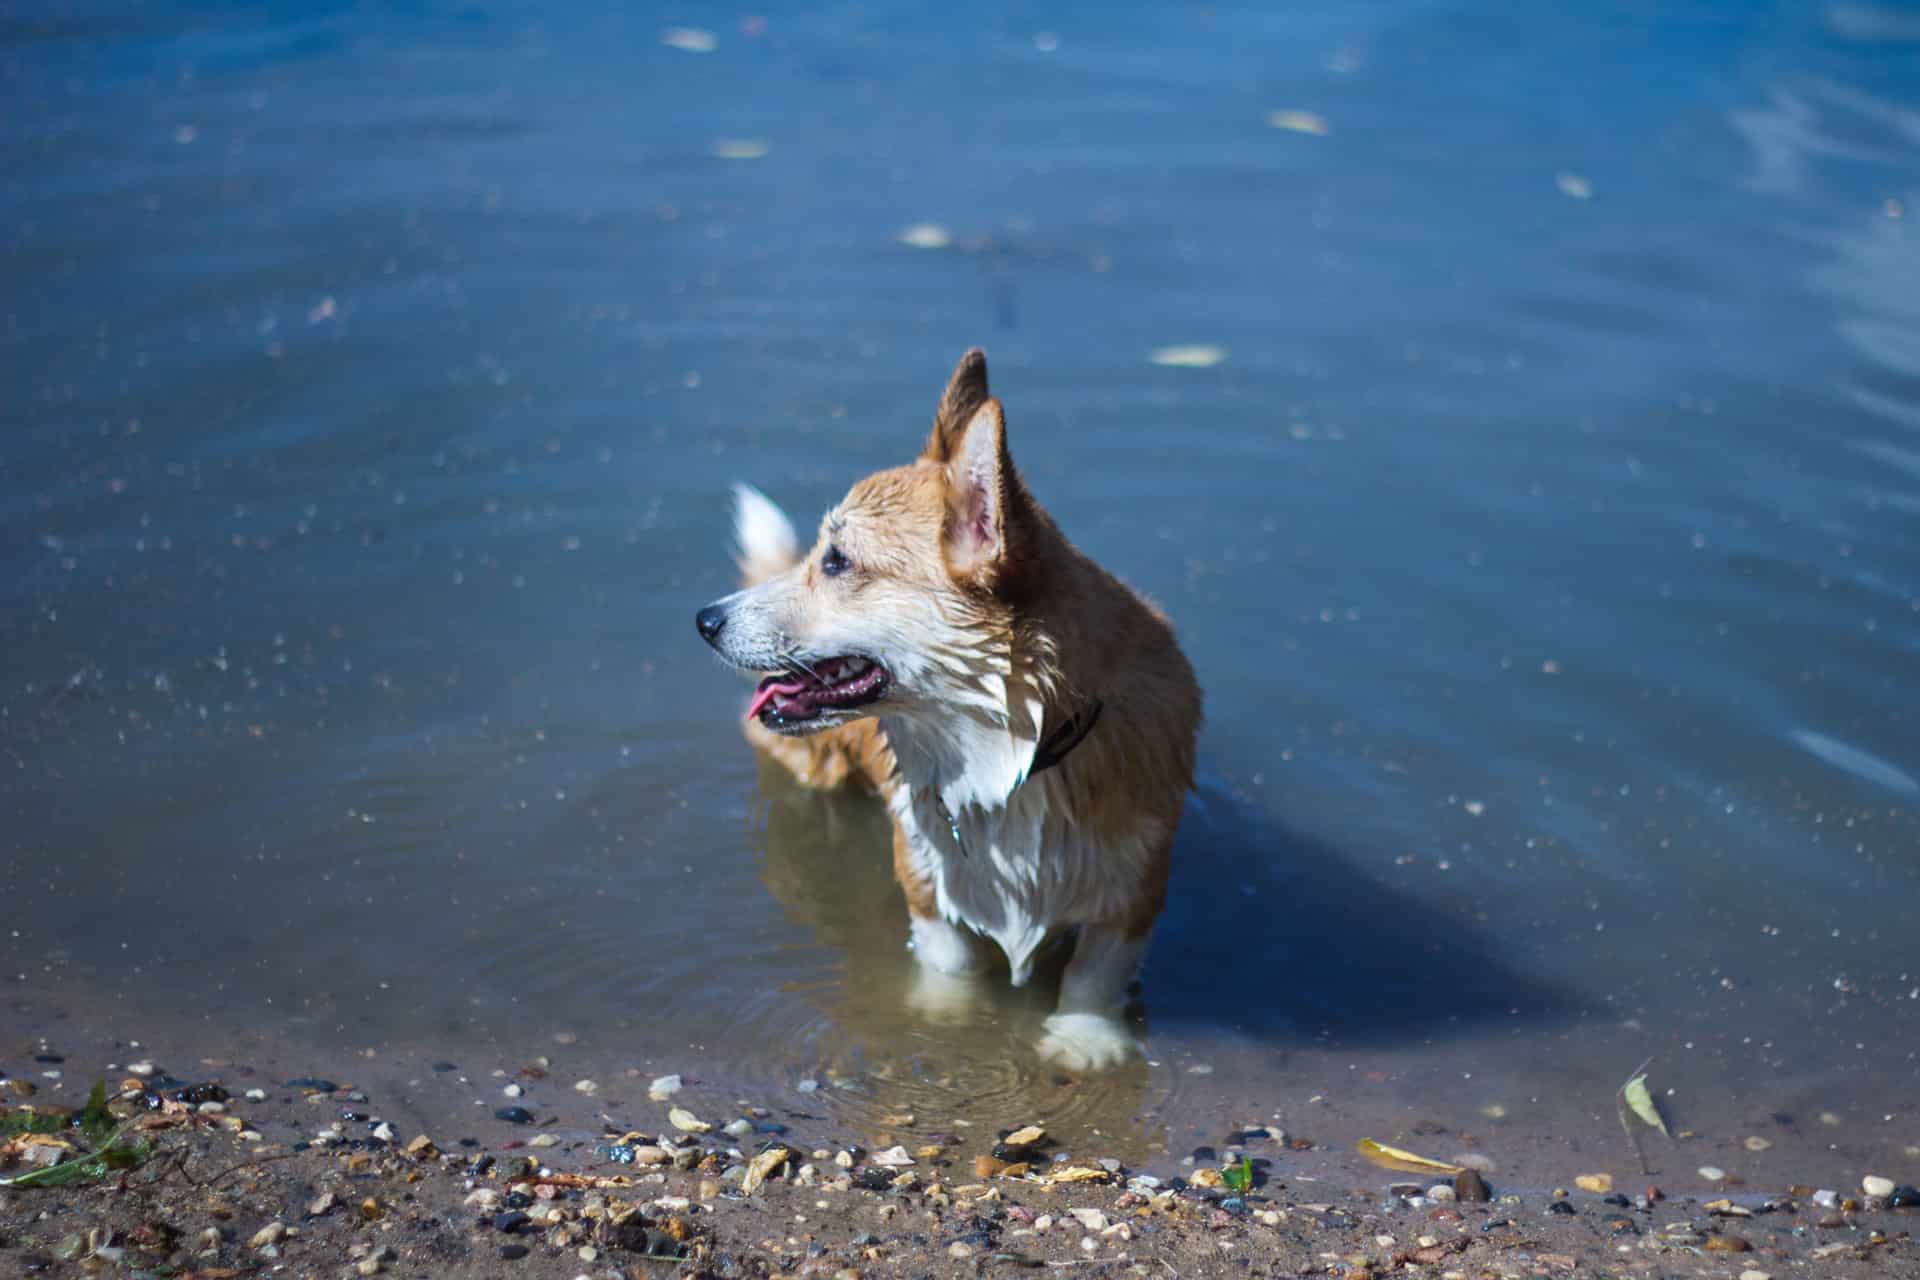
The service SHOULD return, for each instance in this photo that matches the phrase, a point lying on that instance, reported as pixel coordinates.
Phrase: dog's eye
(835, 562)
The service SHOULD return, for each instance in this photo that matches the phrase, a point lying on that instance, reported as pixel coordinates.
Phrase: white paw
(945, 999)
(1085, 1041)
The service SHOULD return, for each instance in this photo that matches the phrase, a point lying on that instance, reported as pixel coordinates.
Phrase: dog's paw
(944, 999)
(1085, 1041)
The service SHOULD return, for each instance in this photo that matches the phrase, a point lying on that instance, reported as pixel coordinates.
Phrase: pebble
(1751, 1274)
(688, 1122)
(893, 1158)
(141, 1069)
(663, 1087)
(325, 1204)
(256, 1095)
(1713, 1173)
(738, 1128)
(513, 1091)
(1440, 1192)
(1874, 1185)
(1827, 1199)
(1091, 1219)
(1469, 1186)
(273, 1233)
(808, 1086)
(512, 1251)
(1598, 1183)
(514, 1115)
(383, 1131)
(543, 1140)
(588, 1087)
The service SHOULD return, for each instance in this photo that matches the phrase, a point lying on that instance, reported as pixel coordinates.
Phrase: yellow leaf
(1404, 1161)
(1635, 1092)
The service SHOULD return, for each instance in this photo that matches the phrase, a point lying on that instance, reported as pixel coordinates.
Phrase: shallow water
(1547, 540)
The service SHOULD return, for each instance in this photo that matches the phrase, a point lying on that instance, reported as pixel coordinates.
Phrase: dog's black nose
(711, 621)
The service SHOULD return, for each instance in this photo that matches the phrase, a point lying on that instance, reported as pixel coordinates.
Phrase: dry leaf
(1403, 1161)
(761, 1166)
(1637, 1097)
(686, 1120)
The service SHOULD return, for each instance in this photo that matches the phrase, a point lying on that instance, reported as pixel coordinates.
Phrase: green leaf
(1238, 1177)
(1641, 1100)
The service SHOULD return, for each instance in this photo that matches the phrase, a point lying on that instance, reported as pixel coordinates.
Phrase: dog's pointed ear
(984, 497)
(966, 392)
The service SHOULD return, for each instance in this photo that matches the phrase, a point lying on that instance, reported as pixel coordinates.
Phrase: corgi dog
(1028, 719)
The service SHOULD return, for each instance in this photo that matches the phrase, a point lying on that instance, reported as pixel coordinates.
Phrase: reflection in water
(828, 862)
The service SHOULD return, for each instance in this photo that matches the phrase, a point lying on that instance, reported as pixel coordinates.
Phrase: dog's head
(904, 599)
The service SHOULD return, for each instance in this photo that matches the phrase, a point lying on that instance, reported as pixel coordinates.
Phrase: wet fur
(997, 631)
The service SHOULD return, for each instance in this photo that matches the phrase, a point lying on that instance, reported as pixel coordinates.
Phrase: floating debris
(739, 148)
(1401, 1160)
(1189, 356)
(926, 235)
(689, 39)
(1299, 122)
(1573, 185)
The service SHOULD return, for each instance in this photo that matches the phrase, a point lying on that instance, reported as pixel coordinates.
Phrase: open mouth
(792, 698)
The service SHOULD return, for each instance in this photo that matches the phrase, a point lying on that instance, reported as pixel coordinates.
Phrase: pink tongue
(768, 688)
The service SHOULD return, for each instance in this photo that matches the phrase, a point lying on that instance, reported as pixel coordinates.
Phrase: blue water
(1545, 530)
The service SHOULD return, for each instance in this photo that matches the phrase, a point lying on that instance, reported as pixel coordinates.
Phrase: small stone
(737, 1128)
(1874, 1185)
(368, 1266)
(1827, 1198)
(893, 1158)
(688, 1122)
(1751, 1274)
(589, 1254)
(1904, 1196)
(1755, 1144)
(383, 1131)
(324, 1204)
(1713, 1173)
(1598, 1183)
(1561, 1206)
(1025, 1137)
(143, 1068)
(514, 1115)
(1726, 1244)
(543, 1140)
(514, 1091)
(1091, 1219)
(422, 1148)
(1207, 1177)
(588, 1087)
(959, 1249)
(985, 1166)
(1469, 1186)
(512, 1252)
(273, 1233)
(1440, 1193)
(808, 1086)
(256, 1095)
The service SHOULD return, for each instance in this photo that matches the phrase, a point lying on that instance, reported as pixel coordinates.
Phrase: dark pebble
(1205, 1155)
(1560, 1206)
(1470, 1187)
(768, 1126)
(356, 1096)
(516, 1200)
(1618, 1201)
(862, 1242)
(444, 1066)
(1904, 1197)
(480, 1165)
(1016, 1155)
(51, 1059)
(874, 1179)
(1235, 1206)
(514, 1115)
(513, 1251)
(511, 1221)
(314, 1083)
(195, 1094)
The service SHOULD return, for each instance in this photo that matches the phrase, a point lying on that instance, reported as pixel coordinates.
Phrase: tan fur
(1029, 628)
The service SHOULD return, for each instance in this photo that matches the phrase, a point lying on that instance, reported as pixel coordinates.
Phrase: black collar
(1068, 736)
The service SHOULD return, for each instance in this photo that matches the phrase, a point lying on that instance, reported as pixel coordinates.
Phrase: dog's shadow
(1266, 933)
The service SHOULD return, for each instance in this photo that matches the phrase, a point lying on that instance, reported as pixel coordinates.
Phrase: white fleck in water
(1851, 759)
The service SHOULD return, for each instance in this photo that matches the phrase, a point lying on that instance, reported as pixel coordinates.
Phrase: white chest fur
(1004, 859)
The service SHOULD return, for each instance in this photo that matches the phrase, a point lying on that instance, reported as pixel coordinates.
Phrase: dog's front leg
(1085, 1032)
(947, 959)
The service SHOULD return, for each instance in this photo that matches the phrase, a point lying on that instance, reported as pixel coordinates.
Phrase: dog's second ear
(983, 495)
(966, 392)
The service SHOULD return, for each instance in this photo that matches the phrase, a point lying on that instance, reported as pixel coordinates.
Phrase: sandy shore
(305, 1177)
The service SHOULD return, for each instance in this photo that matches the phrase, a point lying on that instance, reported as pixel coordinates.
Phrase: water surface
(1547, 540)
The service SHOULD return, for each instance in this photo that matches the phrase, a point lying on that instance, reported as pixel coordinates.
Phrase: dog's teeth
(856, 666)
